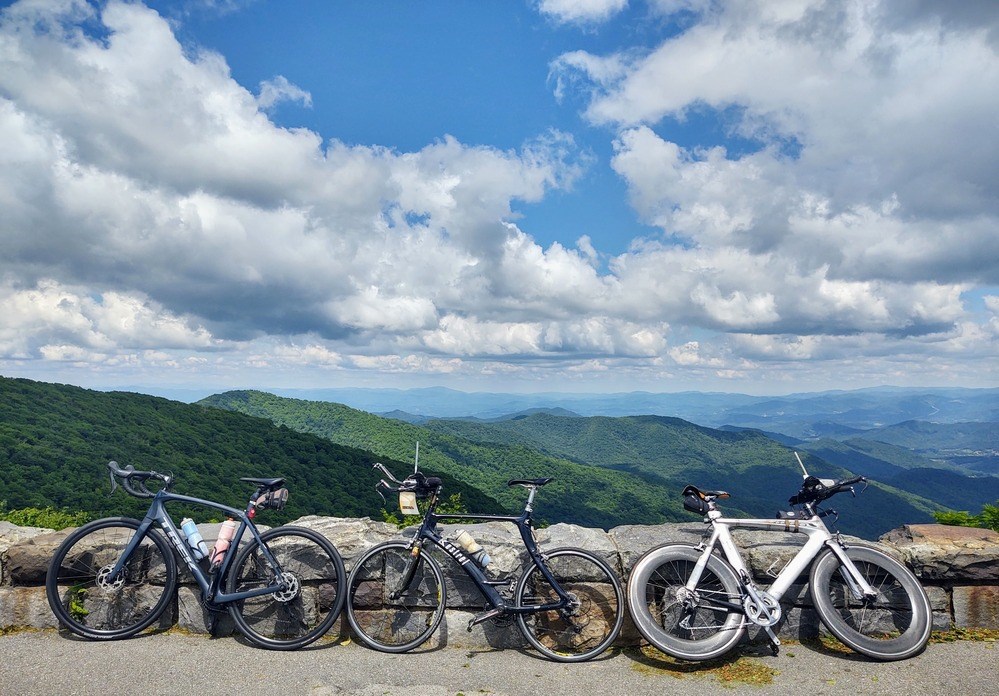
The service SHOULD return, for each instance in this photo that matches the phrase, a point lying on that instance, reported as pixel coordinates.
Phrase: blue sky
(403, 74)
(584, 195)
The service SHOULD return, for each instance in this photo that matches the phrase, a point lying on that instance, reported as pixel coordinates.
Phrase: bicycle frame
(819, 537)
(210, 584)
(428, 532)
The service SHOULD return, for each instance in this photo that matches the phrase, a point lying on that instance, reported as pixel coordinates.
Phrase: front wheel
(892, 625)
(592, 620)
(89, 601)
(395, 599)
(699, 623)
(313, 583)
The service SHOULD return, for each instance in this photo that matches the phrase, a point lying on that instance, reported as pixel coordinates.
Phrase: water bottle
(472, 547)
(198, 546)
(226, 533)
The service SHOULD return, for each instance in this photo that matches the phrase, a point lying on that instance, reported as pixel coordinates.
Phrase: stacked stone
(958, 566)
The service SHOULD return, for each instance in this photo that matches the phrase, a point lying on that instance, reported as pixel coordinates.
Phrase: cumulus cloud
(50, 319)
(155, 213)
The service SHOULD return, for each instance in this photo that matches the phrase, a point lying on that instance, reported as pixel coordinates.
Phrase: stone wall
(958, 566)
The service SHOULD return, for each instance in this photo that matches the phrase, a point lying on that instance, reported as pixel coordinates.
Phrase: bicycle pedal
(484, 616)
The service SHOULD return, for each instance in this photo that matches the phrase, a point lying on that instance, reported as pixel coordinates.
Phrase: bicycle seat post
(530, 499)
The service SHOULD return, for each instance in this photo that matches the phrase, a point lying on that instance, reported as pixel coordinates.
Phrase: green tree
(987, 519)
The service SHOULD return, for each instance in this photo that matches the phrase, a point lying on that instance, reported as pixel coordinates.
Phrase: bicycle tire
(659, 602)
(894, 626)
(313, 598)
(86, 603)
(381, 617)
(584, 630)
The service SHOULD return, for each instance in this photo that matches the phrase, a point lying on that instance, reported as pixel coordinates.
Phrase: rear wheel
(89, 601)
(313, 594)
(590, 623)
(698, 624)
(395, 600)
(892, 625)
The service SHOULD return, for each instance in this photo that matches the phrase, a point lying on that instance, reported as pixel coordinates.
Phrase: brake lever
(114, 483)
(853, 491)
(381, 467)
(382, 484)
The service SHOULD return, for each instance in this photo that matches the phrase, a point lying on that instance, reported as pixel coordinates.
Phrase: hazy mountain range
(609, 470)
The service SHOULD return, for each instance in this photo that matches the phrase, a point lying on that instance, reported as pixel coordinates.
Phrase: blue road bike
(114, 577)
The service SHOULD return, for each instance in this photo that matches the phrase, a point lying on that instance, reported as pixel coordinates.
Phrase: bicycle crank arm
(484, 616)
(774, 640)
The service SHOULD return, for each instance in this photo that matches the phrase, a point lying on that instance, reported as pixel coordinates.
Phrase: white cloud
(272, 92)
(49, 319)
(581, 11)
(155, 214)
(876, 108)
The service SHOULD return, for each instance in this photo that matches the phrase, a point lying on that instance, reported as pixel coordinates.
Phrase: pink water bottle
(226, 533)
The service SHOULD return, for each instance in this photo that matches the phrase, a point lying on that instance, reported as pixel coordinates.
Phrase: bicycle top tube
(477, 516)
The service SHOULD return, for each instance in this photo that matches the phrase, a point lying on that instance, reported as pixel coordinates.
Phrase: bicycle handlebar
(416, 482)
(814, 490)
(133, 481)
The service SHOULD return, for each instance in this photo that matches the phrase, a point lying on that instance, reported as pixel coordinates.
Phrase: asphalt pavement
(48, 662)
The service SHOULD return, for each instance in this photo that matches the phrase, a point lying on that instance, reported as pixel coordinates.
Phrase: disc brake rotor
(292, 588)
(104, 582)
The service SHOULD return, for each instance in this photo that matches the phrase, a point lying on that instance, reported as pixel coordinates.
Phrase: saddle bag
(273, 500)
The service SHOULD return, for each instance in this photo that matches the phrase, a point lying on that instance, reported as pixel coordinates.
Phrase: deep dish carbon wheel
(691, 625)
(89, 601)
(590, 624)
(395, 601)
(893, 625)
(314, 581)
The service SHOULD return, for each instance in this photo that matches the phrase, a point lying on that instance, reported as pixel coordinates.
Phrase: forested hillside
(759, 472)
(609, 470)
(56, 439)
(581, 494)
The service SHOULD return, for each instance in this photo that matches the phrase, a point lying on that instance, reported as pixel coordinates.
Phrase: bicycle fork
(855, 580)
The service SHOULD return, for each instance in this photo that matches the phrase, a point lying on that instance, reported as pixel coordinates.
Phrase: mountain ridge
(752, 469)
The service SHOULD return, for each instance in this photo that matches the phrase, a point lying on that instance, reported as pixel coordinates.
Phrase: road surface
(47, 662)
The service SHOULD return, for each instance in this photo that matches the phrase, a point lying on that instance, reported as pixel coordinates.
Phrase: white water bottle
(198, 546)
(472, 547)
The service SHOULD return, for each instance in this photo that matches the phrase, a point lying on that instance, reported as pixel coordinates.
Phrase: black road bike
(695, 602)
(567, 602)
(114, 577)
